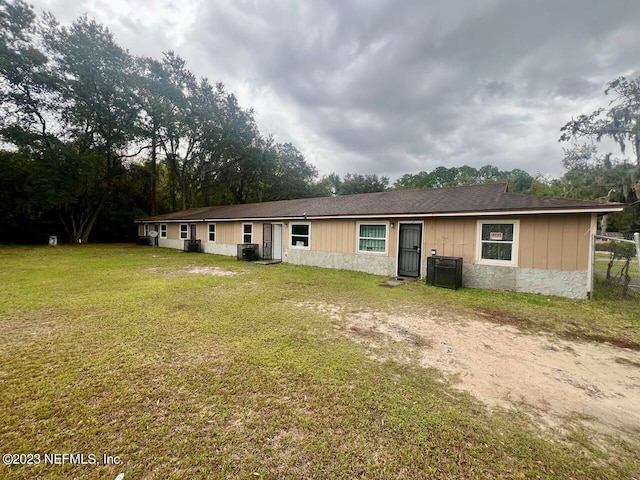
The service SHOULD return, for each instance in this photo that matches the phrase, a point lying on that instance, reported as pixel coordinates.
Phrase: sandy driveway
(503, 366)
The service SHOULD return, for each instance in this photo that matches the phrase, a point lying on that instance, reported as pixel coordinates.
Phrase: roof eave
(486, 213)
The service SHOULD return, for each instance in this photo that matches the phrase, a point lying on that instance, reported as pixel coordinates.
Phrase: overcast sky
(393, 87)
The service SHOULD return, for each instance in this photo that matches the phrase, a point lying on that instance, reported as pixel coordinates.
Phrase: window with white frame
(372, 237)
(184, 231)
(247, 233)
(163, 230)
(498, 242)
(300, 235)
(146, 229)
(212, 232)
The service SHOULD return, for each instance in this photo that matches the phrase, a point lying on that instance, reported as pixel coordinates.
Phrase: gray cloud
(393, 87)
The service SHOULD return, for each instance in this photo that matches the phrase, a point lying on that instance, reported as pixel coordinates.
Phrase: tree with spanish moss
(620, 122)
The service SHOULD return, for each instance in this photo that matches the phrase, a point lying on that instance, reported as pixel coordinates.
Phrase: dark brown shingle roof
(464, 200)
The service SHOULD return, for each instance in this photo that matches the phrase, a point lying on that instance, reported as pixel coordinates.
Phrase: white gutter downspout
(592, 255)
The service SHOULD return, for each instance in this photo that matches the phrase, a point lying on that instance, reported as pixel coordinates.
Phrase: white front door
(277, 241)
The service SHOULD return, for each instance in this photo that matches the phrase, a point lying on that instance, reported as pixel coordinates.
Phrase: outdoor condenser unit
(444, 271)
(248, 252)
(192, 246)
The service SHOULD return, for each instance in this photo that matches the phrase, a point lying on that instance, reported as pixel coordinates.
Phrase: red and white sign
(495, 235)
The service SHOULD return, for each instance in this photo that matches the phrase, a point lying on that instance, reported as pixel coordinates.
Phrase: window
(247, 233)
(498, 242)
(184, 231)
(372, 237)
(146, 229)
(212, 232)
(300, 235)
(163, 230)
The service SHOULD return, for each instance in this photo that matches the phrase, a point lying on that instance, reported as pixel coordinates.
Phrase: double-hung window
(247, 233)
(146, 229)
(498, 242)
(372, 237)
(184, 231)
(300, 235)
(212, 232)
(163, 230)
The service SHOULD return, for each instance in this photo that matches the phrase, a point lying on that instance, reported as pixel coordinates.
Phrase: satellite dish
(153, 234)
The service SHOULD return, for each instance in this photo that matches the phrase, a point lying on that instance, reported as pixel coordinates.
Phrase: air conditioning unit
(444, 272)
(193, 246)
(143, 240)
(248, 252)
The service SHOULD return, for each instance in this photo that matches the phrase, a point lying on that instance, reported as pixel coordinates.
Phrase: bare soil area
(597, 384)
(215, 271)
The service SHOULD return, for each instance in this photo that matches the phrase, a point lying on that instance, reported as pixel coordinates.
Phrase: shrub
(622, 250)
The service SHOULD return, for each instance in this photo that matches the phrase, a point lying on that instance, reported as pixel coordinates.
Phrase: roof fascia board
(493, 213)
(184, 220)
(467, 214)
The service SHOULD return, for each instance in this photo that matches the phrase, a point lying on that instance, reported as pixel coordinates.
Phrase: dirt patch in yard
(34, 326)
(210, 271)
(215, 271)
(506, 367)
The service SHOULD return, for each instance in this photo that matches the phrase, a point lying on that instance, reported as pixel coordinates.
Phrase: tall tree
(620, 122)
(19, 206)
(330, 185)
(602, 177)
(288, 174)
(155, 113)
(98, 86)
(29, 115)
(235, 150)
(353, 183)
(70, 105)
(175, 114)
(76, 109)
(488, 173)
(518, 180)
(467, 175)
(29, 90)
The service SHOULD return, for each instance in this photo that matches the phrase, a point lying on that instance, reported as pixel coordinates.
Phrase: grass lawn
(118, 350)
(603, 261)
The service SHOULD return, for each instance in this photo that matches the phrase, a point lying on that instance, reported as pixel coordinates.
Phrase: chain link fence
(616, 266)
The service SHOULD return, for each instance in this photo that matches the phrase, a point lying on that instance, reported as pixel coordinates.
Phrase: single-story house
(507, 241)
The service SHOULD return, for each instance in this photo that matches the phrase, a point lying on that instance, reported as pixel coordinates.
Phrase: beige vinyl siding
(541, 244)
(552, 241)
(201, 231)
(451, 237)
(336, 236)
(258, 232)
(558, 242)
(173, 231)
(583, 250)
(340, 236)
(229, 233)
(554, 247)
(393, 236)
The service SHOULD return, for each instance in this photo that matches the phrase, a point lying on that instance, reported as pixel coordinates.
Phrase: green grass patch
(602, 264)
(118, 350)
